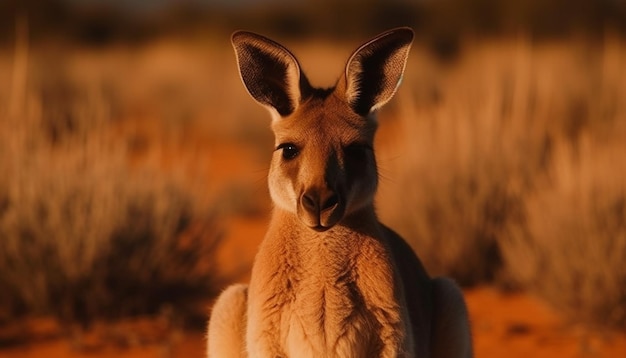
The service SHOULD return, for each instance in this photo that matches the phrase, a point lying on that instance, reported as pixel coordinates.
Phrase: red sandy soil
(503, 325)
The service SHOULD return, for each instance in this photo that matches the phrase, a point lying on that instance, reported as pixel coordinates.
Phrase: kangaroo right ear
(374, 71)
(270, 73)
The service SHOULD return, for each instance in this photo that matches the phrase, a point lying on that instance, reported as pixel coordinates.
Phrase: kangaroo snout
(317, 201)
(320, 208)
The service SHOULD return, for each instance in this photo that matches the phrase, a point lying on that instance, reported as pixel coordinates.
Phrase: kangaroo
(330, 280)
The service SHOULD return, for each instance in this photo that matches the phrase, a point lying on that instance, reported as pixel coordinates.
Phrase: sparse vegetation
(514, 173)
(86, 235)
(571, 246)
(507, 167)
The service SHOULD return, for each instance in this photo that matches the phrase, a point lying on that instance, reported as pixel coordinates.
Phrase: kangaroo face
(323, 168)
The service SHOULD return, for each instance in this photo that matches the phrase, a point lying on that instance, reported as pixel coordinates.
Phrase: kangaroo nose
(320, 209)
(318, 201)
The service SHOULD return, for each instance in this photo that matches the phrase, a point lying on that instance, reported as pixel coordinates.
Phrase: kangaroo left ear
(374, 71)
(270, 73)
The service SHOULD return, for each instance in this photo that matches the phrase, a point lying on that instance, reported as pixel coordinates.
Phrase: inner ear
(374, 71)
(270, 73)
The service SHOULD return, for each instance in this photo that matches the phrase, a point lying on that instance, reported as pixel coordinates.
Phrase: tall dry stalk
(20, 67)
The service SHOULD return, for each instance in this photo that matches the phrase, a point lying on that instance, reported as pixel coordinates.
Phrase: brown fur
(329, 279)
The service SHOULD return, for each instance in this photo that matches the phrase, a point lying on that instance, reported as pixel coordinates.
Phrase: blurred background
(133, 164)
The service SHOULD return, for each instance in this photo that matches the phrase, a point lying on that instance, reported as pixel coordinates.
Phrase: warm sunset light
(134, 164)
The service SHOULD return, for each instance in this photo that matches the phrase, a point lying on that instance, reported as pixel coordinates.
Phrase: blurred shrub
(514, 172)
(571, 247)
(470, 153)
(81, 245)
(571, 244)
(83, 234)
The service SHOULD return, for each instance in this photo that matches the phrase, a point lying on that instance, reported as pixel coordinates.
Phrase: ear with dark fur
(374, 71)
(270, 73)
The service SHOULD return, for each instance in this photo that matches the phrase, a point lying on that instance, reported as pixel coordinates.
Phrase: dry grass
(514, 172)
(85, 235)
(571, 247)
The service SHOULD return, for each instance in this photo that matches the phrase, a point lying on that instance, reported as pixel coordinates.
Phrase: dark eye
(290, 150)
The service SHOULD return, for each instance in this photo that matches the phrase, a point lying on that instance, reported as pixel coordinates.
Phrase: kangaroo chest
(333, 298)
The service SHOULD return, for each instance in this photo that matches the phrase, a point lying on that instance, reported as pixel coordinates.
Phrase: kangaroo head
(323, 168)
